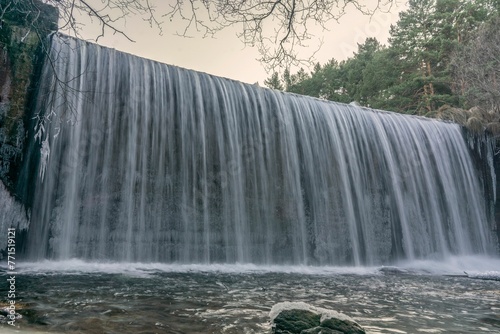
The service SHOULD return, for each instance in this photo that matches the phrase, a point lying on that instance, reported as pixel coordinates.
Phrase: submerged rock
(23, 314)
(343, 326)
(320, 330)
(296, 321)
(492, 319)
(302, 318)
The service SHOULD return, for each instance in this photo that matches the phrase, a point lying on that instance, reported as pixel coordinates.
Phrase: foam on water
(77, 266)
(325, 313)
(473, 266)
(455, 265)
(233, 303)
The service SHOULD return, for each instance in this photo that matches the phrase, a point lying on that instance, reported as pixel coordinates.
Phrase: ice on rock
(12, 215)
(325, 313)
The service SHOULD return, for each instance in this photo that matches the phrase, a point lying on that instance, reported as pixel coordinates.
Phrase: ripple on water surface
(79, 297)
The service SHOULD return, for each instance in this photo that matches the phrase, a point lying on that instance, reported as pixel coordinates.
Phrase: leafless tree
(277, 28)
(476, 69)
(107, 14)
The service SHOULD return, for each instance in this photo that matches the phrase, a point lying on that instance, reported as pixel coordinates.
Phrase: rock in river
(302, 318)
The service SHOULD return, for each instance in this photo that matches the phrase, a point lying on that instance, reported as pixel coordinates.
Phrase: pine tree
(425, 37)
(274, 82)
(355, 67)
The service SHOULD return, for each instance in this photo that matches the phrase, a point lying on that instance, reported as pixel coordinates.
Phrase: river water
(80, 297)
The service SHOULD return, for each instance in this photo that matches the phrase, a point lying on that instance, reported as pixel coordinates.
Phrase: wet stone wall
(21, 55)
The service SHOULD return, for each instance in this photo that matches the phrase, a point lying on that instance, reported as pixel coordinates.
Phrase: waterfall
(148, 162)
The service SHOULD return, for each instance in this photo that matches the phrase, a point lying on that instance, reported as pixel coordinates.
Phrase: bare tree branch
(279, 29)
(476, 69)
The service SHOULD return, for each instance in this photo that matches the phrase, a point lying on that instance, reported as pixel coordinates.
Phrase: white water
(89, 297)
(471, 266)
(154, 163)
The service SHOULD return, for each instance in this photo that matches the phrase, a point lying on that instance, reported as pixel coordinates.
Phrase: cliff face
(484, 148)
(21, 53)
(493, 162)
(496, 163)
(493, 189)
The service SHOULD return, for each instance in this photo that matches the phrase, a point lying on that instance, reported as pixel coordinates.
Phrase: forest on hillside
(442, 60)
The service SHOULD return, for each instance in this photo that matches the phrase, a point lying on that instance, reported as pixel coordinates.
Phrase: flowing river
(80, 297)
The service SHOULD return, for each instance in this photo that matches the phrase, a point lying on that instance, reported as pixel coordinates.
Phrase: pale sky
(226, 56)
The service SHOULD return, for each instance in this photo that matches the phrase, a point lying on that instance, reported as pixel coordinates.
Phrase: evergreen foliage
(424, 67)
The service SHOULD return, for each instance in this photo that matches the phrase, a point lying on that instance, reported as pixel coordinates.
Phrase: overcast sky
(226, 56)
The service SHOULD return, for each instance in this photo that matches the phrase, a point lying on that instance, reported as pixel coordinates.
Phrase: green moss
(493, 128)
(21, 56)
(295, 321)
(21, 38)
(344, 326)
(20, 41)
(43, 16)
(452, 114)
(475, 125)
(320, 330)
